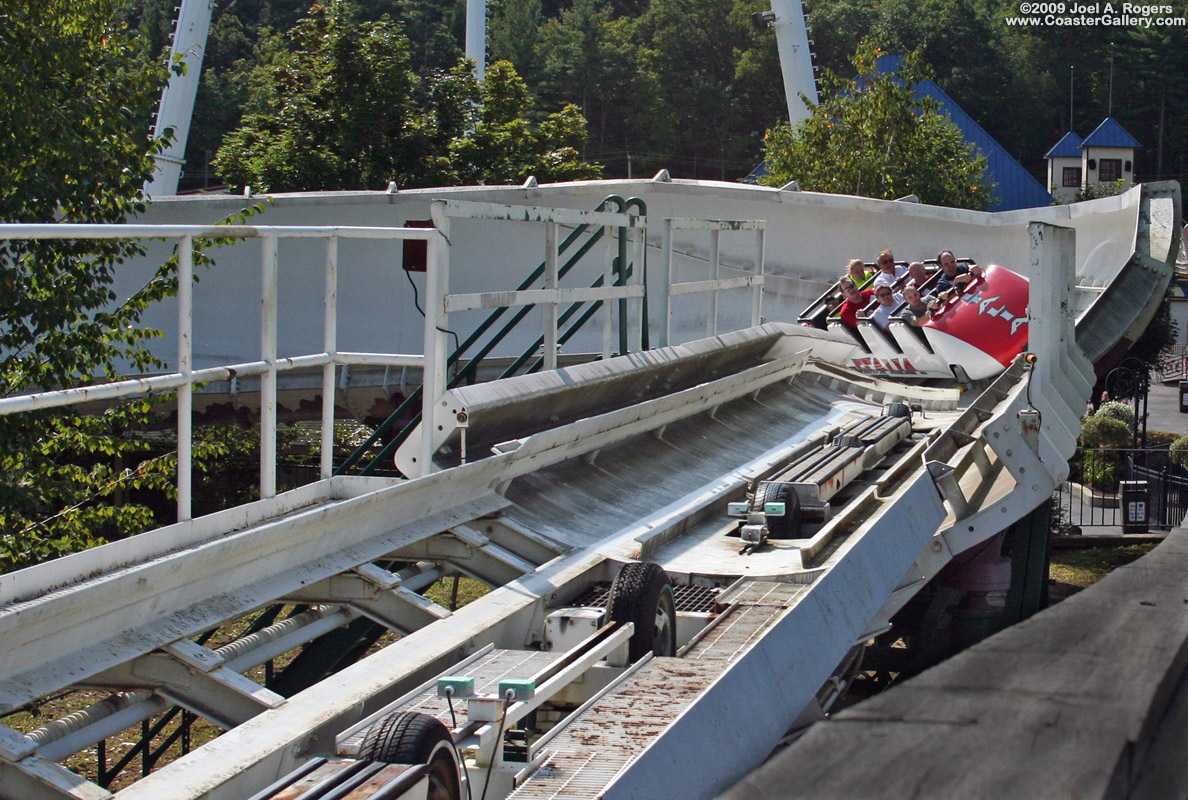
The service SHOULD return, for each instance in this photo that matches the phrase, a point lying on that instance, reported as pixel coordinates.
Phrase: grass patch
(469, 590)
(1078, 569)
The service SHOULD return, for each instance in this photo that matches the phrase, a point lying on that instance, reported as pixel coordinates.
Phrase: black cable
(449, 693)
(450, 699)
(1039, 415)
(498, 742)
(417, 303)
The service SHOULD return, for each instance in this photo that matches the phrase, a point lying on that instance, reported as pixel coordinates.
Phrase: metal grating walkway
(597, 746)
(688, 598)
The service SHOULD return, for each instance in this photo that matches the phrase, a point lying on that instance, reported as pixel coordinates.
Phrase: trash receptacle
(1134, 507)
(1183, 397)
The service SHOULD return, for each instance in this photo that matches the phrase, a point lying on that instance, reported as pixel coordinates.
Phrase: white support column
(177, 99)
(549, 310)
(664, 295)
(757, 291)
(185, 366)
(1062, 376)
(437, 282)
(330, 343)
(711, 324)
(796, 60)
(476, 35)
(268, 280)
(608, 280)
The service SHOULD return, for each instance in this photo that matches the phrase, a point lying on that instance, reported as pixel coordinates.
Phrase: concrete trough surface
(1087, 699)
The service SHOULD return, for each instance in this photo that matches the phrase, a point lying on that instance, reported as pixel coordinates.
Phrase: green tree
(339, 108)
(1156, 342)
(514, 32)
(325, 115)
(692, 120)
(1178, 450)
(74, 148)
(871, 136)
(502, 147)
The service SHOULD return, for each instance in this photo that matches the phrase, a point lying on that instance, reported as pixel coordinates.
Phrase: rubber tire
(640, 594)
(410, 737)
(845, 440)
(787, 526)
(898, 410)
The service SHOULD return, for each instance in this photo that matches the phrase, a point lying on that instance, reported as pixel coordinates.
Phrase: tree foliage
(1158, 338)
(871, 136)
(692, 86)
(74, 148)
(337, 107)
(79, 89)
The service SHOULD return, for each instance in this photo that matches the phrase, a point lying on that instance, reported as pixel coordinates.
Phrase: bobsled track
(691, 548)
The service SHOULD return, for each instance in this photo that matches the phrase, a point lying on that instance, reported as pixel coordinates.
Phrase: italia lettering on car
(900, 366)
(1000, 311)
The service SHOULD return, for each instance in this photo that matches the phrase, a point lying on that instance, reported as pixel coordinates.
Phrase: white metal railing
(439, 304)
(269, 365)
(715, 284)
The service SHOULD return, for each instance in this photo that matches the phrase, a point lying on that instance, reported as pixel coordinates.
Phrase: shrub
(1102, 430)
(1179, 451)
(1116, 410)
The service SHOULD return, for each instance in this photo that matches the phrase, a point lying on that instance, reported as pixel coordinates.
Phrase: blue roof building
(1105, 156)
(1016, 187)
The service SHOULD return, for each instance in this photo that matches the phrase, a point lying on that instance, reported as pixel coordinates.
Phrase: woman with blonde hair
(857, 271)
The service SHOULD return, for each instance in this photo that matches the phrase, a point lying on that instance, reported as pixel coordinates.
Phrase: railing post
(1163, 493)
(437, 283)
(757, 290)
(637, 321)
(665, 283)
(185, 366)
(711, 325)
(330, 344)
(608, 280)
(621, 280)
(550, 309)
(268, 278)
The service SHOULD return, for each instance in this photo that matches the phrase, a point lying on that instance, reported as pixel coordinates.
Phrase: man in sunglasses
(854, 301)
(888, 273)
(888, 300)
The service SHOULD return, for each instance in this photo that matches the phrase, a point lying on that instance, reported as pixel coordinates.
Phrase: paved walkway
(1087, 699)
(1163, 410)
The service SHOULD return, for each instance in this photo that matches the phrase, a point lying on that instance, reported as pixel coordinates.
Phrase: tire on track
(410, 737)
(642, 594)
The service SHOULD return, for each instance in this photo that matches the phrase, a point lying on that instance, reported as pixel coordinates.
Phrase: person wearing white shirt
(888, 273)
(887, 300)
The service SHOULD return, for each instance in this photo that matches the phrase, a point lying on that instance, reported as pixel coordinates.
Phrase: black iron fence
(1095, 494)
